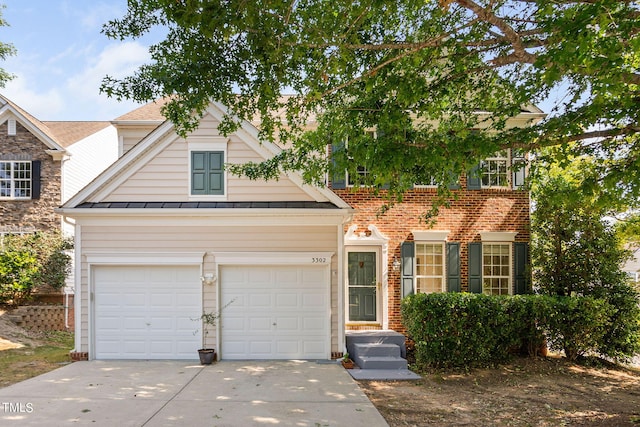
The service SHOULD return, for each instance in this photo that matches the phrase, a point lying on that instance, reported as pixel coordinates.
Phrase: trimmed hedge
(468, 330)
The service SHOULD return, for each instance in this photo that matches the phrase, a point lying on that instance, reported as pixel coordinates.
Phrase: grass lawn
(19, 364)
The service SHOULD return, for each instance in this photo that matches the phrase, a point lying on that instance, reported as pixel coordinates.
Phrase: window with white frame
(496, 268)
(207, 174)
(430, 261)
(495, 170)
(15, 179)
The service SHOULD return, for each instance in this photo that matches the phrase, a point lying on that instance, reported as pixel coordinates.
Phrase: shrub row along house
(165, 233)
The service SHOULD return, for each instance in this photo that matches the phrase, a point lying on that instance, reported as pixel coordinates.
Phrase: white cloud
(117, 60)
(42, 105)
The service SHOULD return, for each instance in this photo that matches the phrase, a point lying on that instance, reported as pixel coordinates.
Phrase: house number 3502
(318, 260)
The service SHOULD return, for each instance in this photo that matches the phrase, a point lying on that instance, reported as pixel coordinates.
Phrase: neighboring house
(43, 163)
(165, 232)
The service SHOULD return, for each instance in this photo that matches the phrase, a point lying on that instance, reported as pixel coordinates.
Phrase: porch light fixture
(208, 279)
(396, 264)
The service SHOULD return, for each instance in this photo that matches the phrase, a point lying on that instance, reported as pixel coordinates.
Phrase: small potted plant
(347, 362)
(209, 320)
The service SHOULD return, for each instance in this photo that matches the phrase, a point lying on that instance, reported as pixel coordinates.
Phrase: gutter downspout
(77, 297)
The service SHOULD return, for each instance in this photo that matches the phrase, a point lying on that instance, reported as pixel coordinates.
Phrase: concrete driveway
(175, 393)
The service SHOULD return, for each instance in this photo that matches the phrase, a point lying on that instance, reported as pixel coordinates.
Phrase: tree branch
(509, 33)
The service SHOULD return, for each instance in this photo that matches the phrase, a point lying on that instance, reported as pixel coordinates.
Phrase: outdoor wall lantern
(208, 279)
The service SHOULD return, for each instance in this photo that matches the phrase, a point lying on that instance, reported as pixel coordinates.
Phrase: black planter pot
(207, 356)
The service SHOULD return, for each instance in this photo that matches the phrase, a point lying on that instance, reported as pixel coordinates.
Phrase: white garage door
(146, 312)
(278, 312)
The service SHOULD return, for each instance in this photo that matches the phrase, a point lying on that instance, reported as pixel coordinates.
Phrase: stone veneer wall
(29, 215)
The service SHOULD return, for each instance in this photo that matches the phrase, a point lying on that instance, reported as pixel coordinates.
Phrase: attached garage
(276, 312)
(146, 312)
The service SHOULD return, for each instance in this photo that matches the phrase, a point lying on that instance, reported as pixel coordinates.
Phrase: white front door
(147, 312)
(278, 312)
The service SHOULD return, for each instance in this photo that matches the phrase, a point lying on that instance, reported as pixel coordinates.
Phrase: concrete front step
(375, 337)
(377, 350)
(367, 362)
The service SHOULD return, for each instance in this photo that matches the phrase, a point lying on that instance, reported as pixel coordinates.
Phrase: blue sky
(62, 57)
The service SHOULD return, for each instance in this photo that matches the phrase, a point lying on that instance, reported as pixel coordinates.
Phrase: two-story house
(43, 163)
(165, 233)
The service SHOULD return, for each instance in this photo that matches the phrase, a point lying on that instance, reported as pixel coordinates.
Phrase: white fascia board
(124, 167)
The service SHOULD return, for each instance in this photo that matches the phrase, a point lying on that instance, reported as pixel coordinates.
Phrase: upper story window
(207, 173)
(495, 170)
(16, 180)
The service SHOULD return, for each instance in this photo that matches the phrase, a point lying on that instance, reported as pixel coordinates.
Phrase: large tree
(576, 250)
(418, 72)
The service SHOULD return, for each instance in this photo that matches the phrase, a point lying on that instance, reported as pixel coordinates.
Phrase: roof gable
(10, 110)
(160, 139)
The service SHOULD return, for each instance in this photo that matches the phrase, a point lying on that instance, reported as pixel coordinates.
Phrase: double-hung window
(16, 179)
(430, 268)
(495, 170)
(496, 268)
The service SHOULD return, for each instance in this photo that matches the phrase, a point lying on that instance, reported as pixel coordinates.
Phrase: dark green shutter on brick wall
(35, 179)
(453, 267)
(474, 179)
(475, 267)
(407, 253)
(520, 267)
(339, 177)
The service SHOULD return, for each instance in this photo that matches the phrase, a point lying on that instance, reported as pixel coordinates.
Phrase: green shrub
(461, 329)
(468, 330)
(30, 261)
(576, 325)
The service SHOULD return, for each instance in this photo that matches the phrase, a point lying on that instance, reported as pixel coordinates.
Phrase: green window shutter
(339, 177)
(475, 267)
(454, 183)
(520, 267)
(453, 267)
(518, 169)
(407, 253)
(207, 173)
(474, 179)
(35, 179)
(216, 173)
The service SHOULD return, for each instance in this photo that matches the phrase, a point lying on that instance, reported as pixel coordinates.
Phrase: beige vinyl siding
(166, 177)
(205, 239)
(131, 135)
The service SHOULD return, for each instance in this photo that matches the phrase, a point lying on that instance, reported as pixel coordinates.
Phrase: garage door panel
(259, 300)
(149, 309)
(270, 310)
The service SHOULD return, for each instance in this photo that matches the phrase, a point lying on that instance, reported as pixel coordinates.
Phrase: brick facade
(31, 214)
(473, 211)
